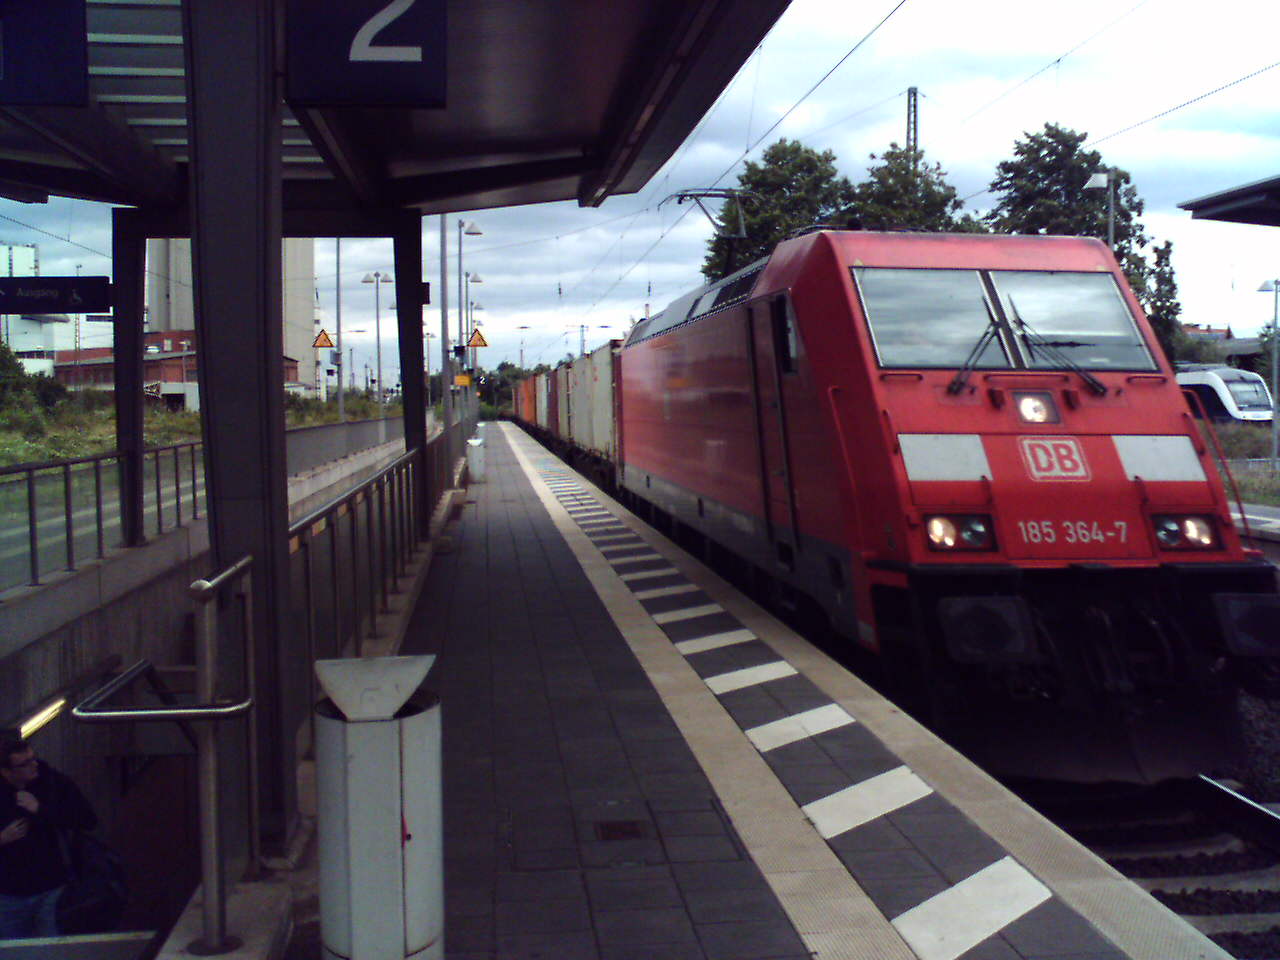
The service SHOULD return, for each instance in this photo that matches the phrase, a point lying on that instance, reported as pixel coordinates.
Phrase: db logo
(1054, 458)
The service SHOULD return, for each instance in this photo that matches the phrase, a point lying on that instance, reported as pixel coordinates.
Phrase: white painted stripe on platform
(956, 920)
(596, 524)
(688, 613)
(651, 555)
(865, 801)
(738, 679)
(617, 536)
(715, 641)
(800, 726)
(578, 514)
(657, 592)
(647, 574)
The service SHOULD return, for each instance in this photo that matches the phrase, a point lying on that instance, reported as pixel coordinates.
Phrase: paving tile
(1054, 930)
(993, 948)
(688, 849)
(679, 601)
(546, 916)
(533, 888)
(894, 896)
(636, 927)
(886, 864)
(877, 834)
(715, 905)
(548, 946)
(742, 875)
(469, 933)
(960, 854)
(701, 626)
(797, 693)
(621, 853)
(632, 889)
(750, 941)
(690, 823)
(737, 656)
(654, 951)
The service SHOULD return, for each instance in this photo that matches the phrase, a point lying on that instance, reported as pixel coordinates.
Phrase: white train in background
(1227, 394)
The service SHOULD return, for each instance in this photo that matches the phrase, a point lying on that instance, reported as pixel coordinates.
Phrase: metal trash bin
(379, 826)
(475, 459)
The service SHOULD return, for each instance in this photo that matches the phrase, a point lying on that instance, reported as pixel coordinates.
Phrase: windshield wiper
(962, 375)
(1049, 348)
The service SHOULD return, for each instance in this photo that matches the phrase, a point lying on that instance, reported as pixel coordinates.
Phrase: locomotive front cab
(1065, 538)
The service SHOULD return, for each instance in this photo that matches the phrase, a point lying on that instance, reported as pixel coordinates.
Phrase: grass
(84, 424)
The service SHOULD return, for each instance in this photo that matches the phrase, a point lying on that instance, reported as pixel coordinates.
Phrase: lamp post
(1106, 179)
(522, 327)
(472, 307)
(337, 318)
(378, 278)
(471, 230)
(1273, 287)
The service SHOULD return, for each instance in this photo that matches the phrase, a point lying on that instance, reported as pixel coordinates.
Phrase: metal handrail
(206, 713)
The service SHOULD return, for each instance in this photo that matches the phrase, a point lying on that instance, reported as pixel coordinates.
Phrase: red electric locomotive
(970, 453)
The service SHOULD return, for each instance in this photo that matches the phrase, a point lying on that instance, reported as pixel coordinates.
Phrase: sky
(988, 71)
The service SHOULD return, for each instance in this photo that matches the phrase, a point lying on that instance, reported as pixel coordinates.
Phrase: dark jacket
(36, 863)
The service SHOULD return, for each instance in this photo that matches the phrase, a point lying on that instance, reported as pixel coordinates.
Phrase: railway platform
(639, 762)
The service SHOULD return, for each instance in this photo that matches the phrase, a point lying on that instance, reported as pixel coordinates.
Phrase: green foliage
(794, 187)
(1042, 191)
(13, 378)
(903, 192)
(1162, 306)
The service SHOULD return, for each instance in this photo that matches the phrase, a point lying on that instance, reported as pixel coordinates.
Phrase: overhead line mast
(913, 128)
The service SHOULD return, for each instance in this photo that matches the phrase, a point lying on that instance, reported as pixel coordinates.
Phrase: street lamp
(1106, 180)
(524, 326)
(378, 278)
(471, 230)
(1273, 287)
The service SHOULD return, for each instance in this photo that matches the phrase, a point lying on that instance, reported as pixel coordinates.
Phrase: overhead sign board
(462, 380)
(55, 294)
(44, 53)
(366, 53)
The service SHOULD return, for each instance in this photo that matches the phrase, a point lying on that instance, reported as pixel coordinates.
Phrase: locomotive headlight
(1036, 407)
(942, 533)
(1197, 531)
(1185, 533)
(959, 533)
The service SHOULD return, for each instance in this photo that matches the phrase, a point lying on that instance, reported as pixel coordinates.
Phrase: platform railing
(205, 715)
(56, 514)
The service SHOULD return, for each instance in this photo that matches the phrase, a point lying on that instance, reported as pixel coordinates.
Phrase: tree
(1162, 306)
(1042, 191)
(905, 193)
(794, 187)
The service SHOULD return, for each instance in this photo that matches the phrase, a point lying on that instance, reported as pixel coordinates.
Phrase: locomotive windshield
(927, 318)
(934, 318)
(1248, 392)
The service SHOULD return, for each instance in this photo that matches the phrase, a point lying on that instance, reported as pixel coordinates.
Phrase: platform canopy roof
(1252, 203)
(546, 100)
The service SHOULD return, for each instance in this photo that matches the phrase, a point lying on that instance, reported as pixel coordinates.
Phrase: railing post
(69, 519)
(33, 531)
(212, 874)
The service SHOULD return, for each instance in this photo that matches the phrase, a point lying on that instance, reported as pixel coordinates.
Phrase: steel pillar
(128, 288)
(407, 243)
(234, 103)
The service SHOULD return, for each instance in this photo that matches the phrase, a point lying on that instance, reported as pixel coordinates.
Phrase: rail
(205, 714)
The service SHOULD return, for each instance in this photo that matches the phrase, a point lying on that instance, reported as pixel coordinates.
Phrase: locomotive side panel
(689, 426)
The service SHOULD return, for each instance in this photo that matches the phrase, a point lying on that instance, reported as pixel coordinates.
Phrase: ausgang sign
(366, 53)
(54, 294)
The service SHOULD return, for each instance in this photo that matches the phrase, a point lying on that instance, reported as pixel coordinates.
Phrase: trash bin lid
(372, 688)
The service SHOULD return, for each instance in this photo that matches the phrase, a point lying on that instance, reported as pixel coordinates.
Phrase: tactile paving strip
(948, 888)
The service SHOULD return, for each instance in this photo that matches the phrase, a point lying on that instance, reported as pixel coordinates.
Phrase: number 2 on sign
(362, 47)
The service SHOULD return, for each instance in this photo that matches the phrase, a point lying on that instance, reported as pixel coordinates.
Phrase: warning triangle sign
(323, 342)
(477, 339)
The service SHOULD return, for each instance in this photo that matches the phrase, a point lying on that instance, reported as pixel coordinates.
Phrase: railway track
(1200, 847)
